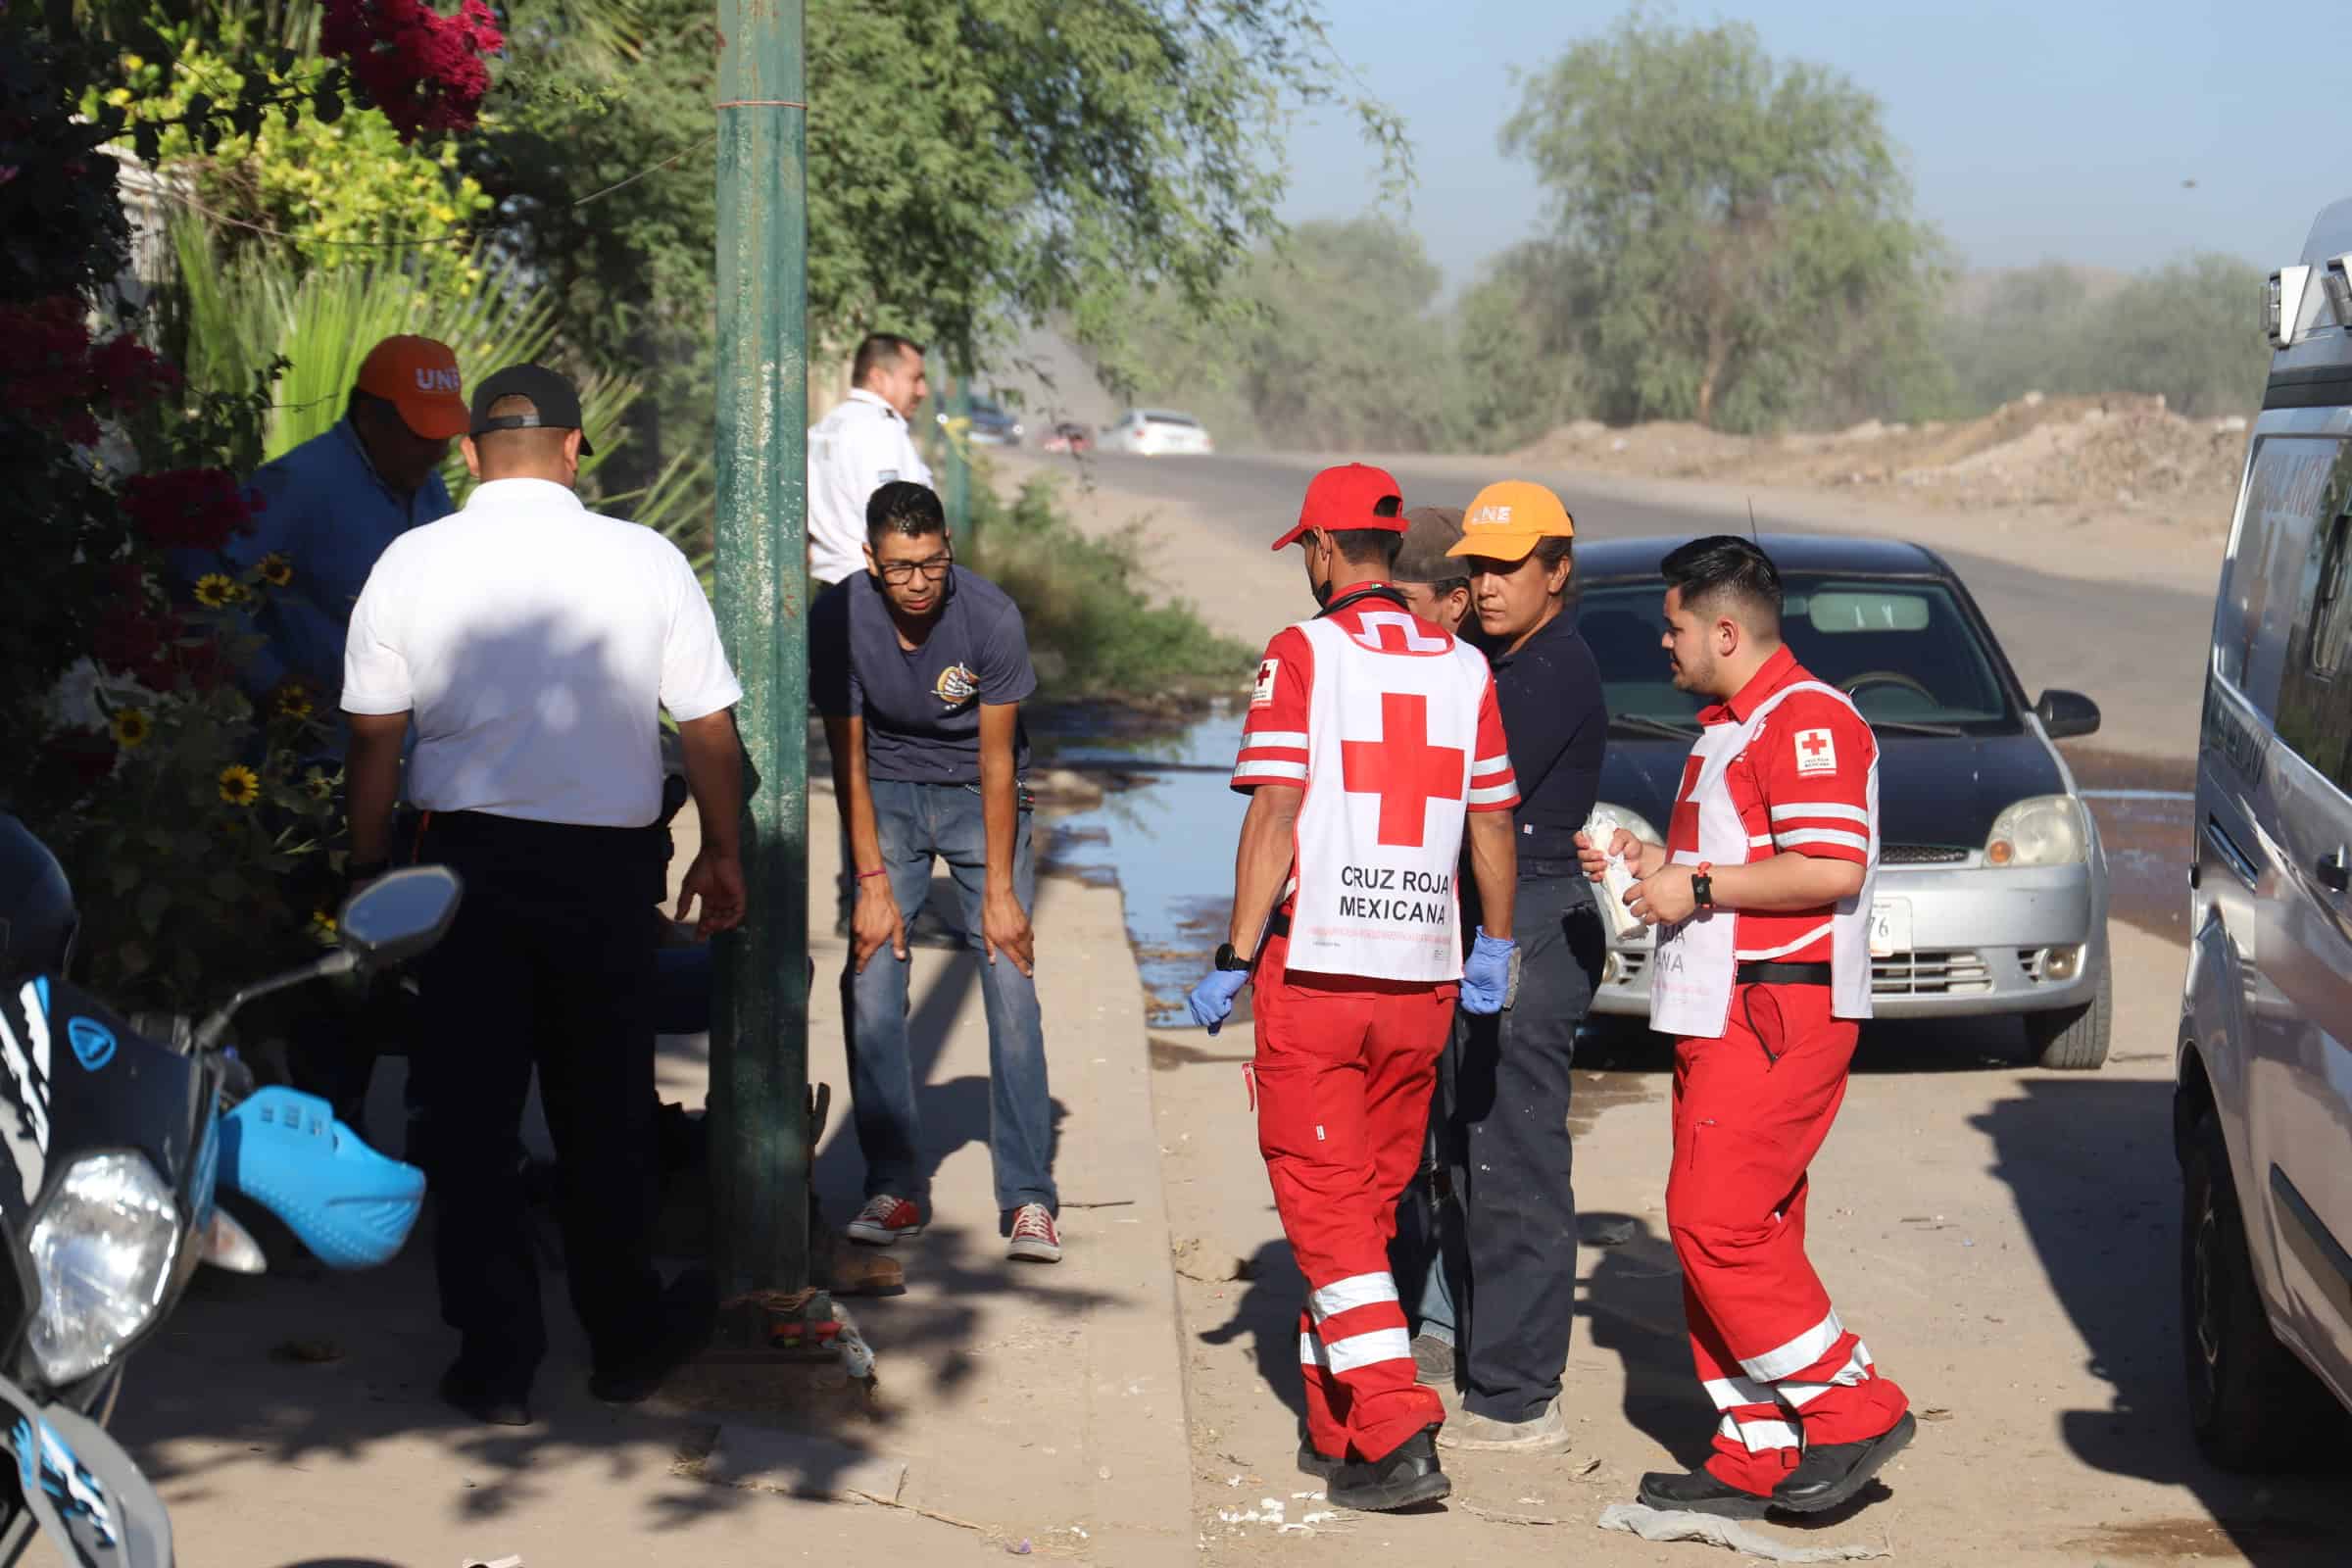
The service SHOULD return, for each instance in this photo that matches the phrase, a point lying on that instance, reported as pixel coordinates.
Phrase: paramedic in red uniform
(1372, 747)
(1761, 900)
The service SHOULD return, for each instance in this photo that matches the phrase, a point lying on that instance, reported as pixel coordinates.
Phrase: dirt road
(2005, 1238)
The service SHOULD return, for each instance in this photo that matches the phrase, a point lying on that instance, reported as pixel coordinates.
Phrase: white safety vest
(1692, 975)
(1391, 740)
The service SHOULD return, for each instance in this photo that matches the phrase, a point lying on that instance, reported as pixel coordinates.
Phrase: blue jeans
(918, 823)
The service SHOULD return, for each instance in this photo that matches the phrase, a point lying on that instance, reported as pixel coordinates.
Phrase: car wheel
(2251, 1404)
(2075, 1039)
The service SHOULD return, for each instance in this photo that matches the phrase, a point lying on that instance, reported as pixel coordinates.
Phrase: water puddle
(2144, 811)
(1164, 833)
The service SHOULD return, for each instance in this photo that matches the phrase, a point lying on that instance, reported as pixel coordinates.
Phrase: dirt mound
(2117, 450)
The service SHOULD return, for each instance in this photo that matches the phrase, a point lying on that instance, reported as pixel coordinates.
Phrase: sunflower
(318, 786)
(293, 701)
(131, 728)
(276, 570)
(240, 784)
(216, 590)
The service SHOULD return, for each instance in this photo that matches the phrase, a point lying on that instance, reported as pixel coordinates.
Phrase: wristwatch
(1229, 960)
(1702, 886)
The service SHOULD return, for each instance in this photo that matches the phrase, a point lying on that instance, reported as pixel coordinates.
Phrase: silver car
(1991, 892)
(2261, 1104)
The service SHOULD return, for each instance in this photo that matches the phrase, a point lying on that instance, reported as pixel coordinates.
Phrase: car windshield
(1163, 416)
(1901, 647)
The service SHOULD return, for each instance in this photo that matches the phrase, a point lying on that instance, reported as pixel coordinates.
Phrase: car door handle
(2333, 870)
(2240, 865)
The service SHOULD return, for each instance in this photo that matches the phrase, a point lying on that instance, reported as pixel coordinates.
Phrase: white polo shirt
(533, 644)
(854, 451)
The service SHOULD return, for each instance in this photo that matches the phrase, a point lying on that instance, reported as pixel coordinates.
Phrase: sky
(2031, 131)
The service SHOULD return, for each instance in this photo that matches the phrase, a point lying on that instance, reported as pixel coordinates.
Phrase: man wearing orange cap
(327, 511)
(1511, 1075)
(1372, 748)
(329, 508)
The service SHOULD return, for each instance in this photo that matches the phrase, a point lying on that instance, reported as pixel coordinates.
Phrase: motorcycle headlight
(102, 1247)
(2040, 830)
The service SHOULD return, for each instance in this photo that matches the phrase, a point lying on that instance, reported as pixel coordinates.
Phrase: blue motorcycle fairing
(89, 1496)
(350, 1206)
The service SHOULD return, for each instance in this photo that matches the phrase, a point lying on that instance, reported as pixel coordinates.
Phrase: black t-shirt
(1555, 721)
(921, 706)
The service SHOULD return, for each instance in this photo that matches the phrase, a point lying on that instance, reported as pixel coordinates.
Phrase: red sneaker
(1034, 1237)
(884, 1219)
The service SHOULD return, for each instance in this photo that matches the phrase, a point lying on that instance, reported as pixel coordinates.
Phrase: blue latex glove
(1211, 1001)
(1486, 973)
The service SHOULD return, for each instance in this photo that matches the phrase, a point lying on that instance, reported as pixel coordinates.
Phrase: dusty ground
(2073, 455)
(2005, 1237)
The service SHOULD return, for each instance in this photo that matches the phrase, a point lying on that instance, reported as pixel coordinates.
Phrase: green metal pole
(957, 496)
(759, 1155)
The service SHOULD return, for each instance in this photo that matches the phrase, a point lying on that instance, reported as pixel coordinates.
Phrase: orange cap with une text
(419, 376)
(1505, 520)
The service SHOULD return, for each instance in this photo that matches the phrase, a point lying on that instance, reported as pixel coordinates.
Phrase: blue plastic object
(350, 1206)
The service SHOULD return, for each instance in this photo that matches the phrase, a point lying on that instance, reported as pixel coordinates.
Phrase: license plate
(1889, 927)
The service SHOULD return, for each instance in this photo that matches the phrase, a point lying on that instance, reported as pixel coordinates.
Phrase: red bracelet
(880, 871)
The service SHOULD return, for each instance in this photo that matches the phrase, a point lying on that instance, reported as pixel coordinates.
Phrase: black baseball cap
(555, 398)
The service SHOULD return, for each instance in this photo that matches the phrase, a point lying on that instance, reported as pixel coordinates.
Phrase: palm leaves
(266, 306)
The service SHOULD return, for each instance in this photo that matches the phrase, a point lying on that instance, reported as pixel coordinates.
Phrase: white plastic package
(1617, 879)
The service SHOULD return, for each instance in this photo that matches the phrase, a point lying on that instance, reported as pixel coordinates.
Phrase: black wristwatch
(1229, 960)
(1702, 890)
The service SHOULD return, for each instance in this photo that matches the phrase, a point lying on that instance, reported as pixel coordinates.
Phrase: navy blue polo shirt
(1556, 723)
(921, 706)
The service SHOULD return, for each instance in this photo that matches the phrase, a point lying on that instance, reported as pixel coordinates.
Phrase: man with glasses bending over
(919, 667)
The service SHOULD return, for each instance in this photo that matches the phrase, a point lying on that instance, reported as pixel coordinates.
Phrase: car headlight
(2040, 830)
(102, 1247)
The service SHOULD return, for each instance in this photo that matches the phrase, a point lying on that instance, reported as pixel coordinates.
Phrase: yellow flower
(131, 728)
(276, 570)
(293, 701)
(214, 589)
(318, 786)
(240, 784)
(324, 927)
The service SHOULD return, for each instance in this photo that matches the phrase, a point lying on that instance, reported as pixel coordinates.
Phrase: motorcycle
(117, 1146)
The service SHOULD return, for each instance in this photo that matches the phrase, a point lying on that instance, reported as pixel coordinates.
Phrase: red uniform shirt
(1801, 786)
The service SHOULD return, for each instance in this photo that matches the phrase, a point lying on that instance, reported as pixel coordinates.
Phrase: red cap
(1353, 495)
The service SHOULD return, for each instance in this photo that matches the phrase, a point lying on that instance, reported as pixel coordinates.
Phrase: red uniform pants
(1751, 1111)
(1343, 1071)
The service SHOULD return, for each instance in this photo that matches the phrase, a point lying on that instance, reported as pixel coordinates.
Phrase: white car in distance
(1155, 433)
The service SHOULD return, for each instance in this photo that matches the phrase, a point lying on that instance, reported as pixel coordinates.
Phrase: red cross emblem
(1814, 744)
(1402, 769)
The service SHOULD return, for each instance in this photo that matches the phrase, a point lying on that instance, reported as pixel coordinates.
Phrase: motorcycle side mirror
(400, 914)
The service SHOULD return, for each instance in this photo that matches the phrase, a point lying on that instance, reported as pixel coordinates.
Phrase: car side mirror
(2066, 715)
(400, 914)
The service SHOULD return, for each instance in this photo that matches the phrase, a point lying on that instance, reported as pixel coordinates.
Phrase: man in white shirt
(863, 445)
(533, 644)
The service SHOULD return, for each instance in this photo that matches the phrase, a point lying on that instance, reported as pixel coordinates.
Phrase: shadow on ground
(303, 1365)
(2089, 1160)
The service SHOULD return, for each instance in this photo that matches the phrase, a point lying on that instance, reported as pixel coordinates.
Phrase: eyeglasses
(903, 571)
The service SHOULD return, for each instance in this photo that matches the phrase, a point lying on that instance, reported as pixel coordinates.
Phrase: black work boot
(1700, 1491)
(1406, 1476)
(1312, 1461)
(1831, 1473)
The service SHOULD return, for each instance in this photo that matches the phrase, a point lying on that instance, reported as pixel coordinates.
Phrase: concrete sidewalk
(291, 1419)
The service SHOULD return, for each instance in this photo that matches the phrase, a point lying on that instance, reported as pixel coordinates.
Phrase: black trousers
(1512, 1087)
(550, 966)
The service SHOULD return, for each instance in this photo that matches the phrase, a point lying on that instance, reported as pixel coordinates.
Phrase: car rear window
(1904, 649)
(1160, 417)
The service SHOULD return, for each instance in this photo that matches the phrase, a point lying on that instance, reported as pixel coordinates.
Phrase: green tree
(1519, 342)
(973, 165)
(1738, 215)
